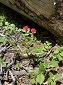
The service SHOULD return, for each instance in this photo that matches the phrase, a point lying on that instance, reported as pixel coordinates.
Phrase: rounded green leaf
(32, 81)
(61, 54)
(56, 51)
(60, 57)
(36, 72)
(40, 78)
(12, 25)
(58, 76)
(53, 83)
(46, 64)
(6, 23)
(53, 63)
(49, 80)
(42, 68)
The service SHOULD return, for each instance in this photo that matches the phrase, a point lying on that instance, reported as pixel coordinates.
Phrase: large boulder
(46, 13)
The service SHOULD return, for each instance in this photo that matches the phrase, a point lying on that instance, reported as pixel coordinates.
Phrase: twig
(25, 68)
(0, 68)
(4, 49)
(48, 53)
(2, 35)
(12, 76)
(0, 73)
(9, 65)
(26, 56)
(19, 73)
(20, 48)
(7, 73)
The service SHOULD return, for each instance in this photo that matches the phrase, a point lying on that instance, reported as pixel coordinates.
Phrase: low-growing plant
(47, 45)
(57, 54)
(43, 76)
(47, 70)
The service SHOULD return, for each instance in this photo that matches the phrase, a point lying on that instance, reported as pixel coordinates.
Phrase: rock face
(46, 13)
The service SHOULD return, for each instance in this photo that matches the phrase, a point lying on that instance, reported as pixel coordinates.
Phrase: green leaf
(41, 68)
(53, 83)
(40, 78)
(46, 46)
(49, 80)
(4, 65)
(12, 28)
(6, 23)
(48, 43)
(60, 57)
(45, 64)
(1, 60)
(1, 23)
(19, 30)
(53, 63)
(43, 49)
(36, 72)
(31, 74)
(61, 48)
(26, 34)
(3, 39)
(61, 54)
(56, 51)
(23, 30)
(12, 25)
(58, 76)
(52, 56)
(12, 42)
(23, 43)
(2, 17)
(51, 75)
(32, 81)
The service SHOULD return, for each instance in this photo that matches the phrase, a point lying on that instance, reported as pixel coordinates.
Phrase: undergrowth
(46, 58)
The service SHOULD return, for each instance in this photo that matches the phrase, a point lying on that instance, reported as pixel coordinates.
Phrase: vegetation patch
(28, 56)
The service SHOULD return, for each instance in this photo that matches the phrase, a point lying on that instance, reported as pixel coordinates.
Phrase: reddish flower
(26, 28)
(33, 30)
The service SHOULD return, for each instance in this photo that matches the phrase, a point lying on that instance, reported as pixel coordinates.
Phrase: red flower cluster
(33, 30)
(26, 28)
